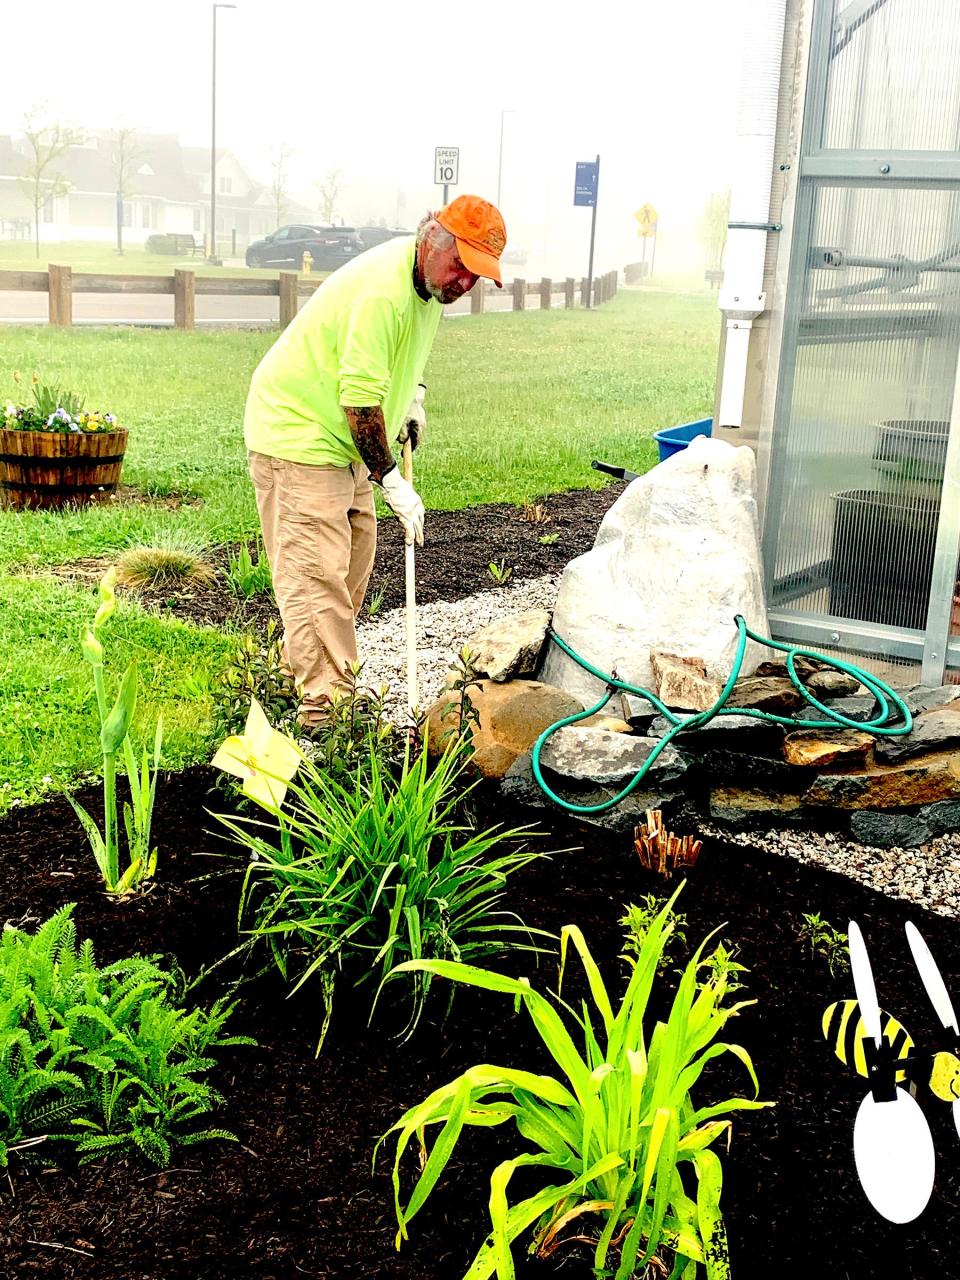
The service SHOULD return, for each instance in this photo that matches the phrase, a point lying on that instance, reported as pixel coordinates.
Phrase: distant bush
(171, 242)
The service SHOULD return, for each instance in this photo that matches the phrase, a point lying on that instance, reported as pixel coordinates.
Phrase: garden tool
(619, 473)
(413, 695)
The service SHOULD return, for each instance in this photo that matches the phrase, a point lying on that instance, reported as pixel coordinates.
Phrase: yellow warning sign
(647, 217)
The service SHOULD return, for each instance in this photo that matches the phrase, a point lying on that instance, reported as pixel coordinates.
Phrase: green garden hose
(880, 724)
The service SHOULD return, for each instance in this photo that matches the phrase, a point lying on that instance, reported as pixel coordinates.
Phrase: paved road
(157, 309)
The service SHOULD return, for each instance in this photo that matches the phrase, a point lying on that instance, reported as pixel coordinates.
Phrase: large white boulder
(676, 558)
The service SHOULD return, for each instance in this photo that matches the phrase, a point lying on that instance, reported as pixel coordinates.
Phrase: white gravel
(442, 629)
(928, 876)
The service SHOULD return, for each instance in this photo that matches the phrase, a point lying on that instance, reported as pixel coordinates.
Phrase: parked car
(377, 235)
(330, 247)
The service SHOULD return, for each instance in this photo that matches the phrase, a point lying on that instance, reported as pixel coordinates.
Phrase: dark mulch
(454, 561)
(297, 1198)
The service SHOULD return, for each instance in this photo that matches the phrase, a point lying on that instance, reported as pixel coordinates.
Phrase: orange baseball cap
(480, 234)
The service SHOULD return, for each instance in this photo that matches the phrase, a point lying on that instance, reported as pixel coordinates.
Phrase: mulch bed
(296, 1197)
(453, 563)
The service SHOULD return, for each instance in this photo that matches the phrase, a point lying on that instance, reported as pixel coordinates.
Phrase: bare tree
(42, 183)
(713, 228)
(278, 185)
(329, 190)
(126, 156)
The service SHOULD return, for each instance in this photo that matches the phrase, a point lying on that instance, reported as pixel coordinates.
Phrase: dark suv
(330, 247)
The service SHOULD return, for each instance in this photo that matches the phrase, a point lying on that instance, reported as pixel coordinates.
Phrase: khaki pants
(320, 534)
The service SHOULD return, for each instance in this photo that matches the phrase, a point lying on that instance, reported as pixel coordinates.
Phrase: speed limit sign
(446, 166)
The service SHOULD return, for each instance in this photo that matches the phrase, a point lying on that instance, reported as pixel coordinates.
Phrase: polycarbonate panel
(862, 433)
(892, 81)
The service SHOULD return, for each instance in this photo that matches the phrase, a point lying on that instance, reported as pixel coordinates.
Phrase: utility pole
(212, 257)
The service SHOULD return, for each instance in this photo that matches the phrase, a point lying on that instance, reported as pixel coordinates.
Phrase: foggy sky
(371, 88)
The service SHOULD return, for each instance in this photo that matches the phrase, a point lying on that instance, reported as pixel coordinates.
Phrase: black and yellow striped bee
(844, 1031)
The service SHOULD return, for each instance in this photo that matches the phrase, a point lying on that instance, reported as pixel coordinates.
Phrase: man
(344, 376)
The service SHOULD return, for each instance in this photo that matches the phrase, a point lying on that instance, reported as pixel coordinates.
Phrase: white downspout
(742, 298)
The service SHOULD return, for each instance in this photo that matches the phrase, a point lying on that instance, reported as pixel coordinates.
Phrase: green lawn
(518, 407)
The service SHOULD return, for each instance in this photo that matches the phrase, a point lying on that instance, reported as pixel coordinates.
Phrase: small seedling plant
(500, 572)
(247, 577)
(256, 669)
(824, 942)
(99, 1059)
(623, 1149)
(115, 722)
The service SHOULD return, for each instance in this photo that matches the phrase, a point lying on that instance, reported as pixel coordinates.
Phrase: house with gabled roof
(168, 191)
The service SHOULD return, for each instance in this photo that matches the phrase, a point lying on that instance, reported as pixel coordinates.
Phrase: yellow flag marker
(264, 758)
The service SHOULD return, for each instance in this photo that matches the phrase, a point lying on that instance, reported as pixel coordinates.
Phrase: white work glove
(405, 503)
(414, 426)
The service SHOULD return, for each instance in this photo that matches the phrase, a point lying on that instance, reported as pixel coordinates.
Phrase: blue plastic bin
(673, 439)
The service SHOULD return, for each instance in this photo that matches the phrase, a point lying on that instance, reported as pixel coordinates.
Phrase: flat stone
(888, 788)
(827, 685)
(765, 693)
(718, 766)
(862, 707)
(804, 667)
(731, 732)
(750, 807)
(638, 711)
(683, 684)
(811, 747)
(942, 817)
(511, 646)
(925, 697)
(512, 717)
(889, 830)
(600, 720)
(931, 731)
(599, 756)
(519, 786)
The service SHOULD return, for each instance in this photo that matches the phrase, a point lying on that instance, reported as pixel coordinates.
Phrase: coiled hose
(882, 723)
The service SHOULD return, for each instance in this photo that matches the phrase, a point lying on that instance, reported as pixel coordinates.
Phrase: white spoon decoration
(944, 1076)
(892, 1145)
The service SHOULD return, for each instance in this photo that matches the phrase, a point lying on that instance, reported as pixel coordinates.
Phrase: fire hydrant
(307, 261)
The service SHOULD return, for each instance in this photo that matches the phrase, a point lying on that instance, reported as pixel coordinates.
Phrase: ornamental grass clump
(623, 1150)
(356, 874)
(99, 1059)
(172, 560)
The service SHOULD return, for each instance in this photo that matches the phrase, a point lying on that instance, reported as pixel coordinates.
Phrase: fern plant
(102, 1058)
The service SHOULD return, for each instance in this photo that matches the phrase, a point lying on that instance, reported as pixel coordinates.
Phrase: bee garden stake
(892, 1144)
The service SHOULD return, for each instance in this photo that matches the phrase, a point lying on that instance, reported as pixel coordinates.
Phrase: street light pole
(213, 140)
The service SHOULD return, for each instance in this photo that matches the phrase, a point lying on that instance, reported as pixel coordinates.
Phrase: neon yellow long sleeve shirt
(362, 339)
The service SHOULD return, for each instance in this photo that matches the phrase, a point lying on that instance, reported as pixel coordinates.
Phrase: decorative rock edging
(740, 772)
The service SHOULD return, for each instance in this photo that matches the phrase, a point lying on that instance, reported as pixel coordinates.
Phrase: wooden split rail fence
(61, 283)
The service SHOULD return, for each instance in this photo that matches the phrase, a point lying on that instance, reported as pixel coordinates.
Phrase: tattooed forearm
(369, 433)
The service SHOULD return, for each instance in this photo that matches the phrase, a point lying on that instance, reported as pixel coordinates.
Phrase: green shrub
(100, 1059)
(256, 670)
(372, 870)
(613, 1134)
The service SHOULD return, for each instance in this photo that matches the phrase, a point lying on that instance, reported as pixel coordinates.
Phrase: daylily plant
(262, 757)
(142, 776)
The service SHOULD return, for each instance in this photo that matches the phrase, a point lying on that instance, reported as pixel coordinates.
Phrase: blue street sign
(585, 187)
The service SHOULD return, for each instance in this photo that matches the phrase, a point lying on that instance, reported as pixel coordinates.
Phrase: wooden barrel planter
(53, 469)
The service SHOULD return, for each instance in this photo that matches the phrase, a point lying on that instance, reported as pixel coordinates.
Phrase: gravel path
(928, 876)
